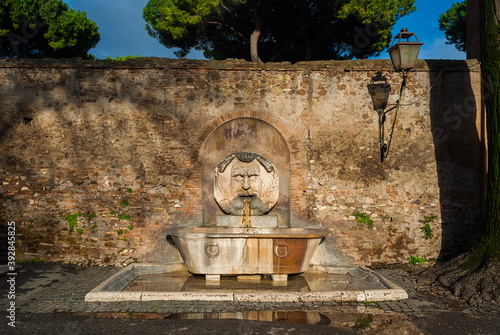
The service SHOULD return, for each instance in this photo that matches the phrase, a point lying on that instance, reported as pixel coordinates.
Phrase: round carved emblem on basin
(212, 249)
(282, 249)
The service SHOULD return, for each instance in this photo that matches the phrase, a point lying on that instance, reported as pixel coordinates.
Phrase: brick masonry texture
(99, 157)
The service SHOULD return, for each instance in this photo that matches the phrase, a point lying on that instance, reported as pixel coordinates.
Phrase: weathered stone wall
(120, 142)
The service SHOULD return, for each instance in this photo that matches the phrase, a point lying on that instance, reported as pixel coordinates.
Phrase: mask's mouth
(247, 194)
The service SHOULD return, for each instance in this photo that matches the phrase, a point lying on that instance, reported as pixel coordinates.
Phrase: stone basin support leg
(212, 280)
(280, 279)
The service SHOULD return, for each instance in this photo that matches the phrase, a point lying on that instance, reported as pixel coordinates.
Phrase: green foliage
(45, 28)
(122, 231)
(121, 59)
(72, 220)
(363, 323)
(123, 216)
(416, 260)
(453, 23)
(426, 228)
(129, 190)
(430, 218)
(363, 218)
(288, 30)
(125, 203)
(34, 260)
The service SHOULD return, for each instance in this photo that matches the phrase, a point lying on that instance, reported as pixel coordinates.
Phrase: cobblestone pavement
(67, 294)
(43, 289)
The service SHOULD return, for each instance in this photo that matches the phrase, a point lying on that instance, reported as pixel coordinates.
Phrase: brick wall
(119, 142)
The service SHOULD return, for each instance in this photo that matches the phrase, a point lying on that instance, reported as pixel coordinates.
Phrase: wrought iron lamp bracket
(385, 147)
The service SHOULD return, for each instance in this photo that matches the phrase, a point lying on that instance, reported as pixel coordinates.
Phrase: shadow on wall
(89, 132)
(459, 151)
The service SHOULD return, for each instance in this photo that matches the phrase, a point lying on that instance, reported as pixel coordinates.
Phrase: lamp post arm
(385, 147)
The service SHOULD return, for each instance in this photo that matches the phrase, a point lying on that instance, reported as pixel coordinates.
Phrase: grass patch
(417, 260)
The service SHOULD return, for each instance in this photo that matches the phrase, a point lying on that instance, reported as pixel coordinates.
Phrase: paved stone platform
(61, 290)
(52, 295)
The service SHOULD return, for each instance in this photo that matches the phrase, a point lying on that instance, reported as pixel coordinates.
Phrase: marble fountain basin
(246, 250)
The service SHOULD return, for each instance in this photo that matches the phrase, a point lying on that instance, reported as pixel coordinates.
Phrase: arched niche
(245, 134)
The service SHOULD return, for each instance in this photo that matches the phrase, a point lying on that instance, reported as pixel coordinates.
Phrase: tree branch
(229, 27)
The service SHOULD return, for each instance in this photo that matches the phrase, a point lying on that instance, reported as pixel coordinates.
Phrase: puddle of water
(300, 317)
(347, 321)
(183, 281)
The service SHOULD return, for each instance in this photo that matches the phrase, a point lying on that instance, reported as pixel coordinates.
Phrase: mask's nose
(246, 184)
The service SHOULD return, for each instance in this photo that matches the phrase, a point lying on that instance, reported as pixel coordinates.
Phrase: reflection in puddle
(349, 320)
(302, 317)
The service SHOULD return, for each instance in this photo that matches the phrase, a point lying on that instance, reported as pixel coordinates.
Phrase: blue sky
(123, 31)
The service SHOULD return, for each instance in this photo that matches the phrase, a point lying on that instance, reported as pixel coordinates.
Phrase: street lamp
(404, 56)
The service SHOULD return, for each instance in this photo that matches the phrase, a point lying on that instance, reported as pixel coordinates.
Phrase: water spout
(246, 222)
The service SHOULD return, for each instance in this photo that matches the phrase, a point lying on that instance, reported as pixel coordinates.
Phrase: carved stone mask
(246, 177)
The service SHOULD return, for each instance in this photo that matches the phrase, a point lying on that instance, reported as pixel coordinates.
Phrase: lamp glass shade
(379, 93)
(404, 55)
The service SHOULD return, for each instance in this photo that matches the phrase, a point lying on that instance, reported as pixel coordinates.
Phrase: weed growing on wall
(122, 231)
(363, 218)
(123, 216)
(89, 218)
(76, 222)
(72, 221)
(426, 228)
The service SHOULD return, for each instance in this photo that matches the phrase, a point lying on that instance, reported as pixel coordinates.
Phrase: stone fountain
(249, 237)
(250, 224)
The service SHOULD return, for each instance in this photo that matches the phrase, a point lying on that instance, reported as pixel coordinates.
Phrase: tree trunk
(490, 55)
(258, 13)
(254, 40)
